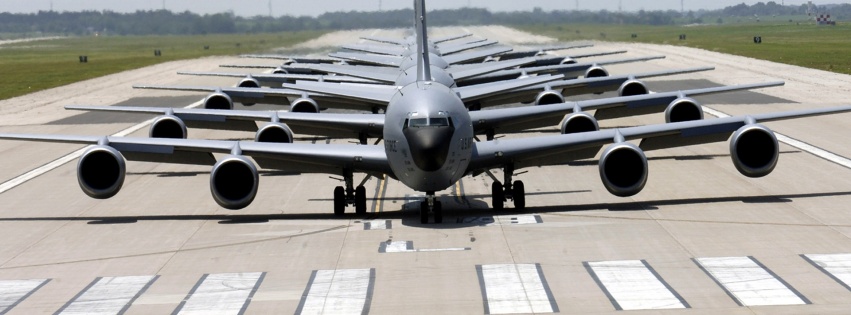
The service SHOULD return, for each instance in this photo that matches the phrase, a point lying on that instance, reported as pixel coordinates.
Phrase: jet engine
(304, 105)
(248, 82)
(274, 132)
(234, 181)
(218, 100)
(683, 109)
(168, 126)
(623, 169)
(754, 150)
(596, 72)
(578, 122)
(567, 61)
(100, 171)
(632, 87)
(549, 97)
(279, 70)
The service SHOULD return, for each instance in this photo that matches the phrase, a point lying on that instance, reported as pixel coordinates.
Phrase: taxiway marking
(344, 291)
(377, 225)
(223, 293)
(13, 292)
(634, 285)
(108, 295)
(512, 289)
(837, 266)
(408, 247)
(750, 283)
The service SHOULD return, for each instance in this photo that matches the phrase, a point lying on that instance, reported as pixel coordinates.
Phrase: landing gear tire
(519, 195)
(438, 212)
(339, 200)
(498, 196)
(423, 212)
(360, 200)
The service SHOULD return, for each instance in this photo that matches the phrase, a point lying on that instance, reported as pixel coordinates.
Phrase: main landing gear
(508, 191)
(430, 204)
(349, 196)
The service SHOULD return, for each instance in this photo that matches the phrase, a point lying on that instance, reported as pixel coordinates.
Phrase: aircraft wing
(380, 60)
(479, 91)
(384, 40)
(381, 74)
(528, 117)
(468, 71)
(569, 70)
(551, 150)
(535, 52)
(478, 55)
(376, 49)
(597, 54)
(451, 38)
(293, 59)
(380, 95)
(281, 78)
(448, 50)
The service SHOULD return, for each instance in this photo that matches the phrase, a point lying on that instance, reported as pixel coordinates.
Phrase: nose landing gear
(430, 204)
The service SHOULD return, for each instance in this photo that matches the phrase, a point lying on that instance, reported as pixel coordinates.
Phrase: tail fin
(423, 65)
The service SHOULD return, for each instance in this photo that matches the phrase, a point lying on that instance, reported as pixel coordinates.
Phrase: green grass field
(33, 66)
(807, 45)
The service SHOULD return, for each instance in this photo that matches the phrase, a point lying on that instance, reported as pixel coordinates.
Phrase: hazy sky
(316, 7)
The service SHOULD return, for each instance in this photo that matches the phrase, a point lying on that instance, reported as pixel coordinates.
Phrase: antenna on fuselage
(423, 65)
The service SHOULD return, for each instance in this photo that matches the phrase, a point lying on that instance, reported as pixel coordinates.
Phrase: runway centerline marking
(634, 285)
(836, 266)
(13, 292)
(513, 289)
(108, 295)
(223, 293)
(342, 291)
(748, 282)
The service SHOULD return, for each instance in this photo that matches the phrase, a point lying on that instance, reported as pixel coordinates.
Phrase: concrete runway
(700, 237)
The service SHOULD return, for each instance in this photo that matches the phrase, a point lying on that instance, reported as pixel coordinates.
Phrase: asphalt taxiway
(700, 237)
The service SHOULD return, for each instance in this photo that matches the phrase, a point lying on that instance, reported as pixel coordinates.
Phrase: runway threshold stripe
(13, 292)
(634, 285)
(800, 145)
(750, 283)
(223, 293)
(515, 288)
(343, 291)
(108, 295)
(836, 266)
(23, 178)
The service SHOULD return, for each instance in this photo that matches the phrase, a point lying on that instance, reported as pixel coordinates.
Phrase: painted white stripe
(13, 292)
(800, 145)
(108, 295)
(344, 291)
(749, 282)
(633, 286)
(17, 181)
(377, 225)
(223, 293)
(503, 220)
(512, 289)
(408, 247)
(837, 266)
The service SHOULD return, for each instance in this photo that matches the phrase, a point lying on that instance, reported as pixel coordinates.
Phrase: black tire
(498, 196)
(519, 195)
(424, 212)
(438, 212)
(339, 200)
(360, 200)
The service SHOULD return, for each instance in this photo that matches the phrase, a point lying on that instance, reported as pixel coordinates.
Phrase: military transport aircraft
(428, 146)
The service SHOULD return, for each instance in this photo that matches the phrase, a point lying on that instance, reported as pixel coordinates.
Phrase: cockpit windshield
(429, 122)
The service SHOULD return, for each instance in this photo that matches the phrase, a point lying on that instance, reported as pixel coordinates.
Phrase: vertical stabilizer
(423, 65)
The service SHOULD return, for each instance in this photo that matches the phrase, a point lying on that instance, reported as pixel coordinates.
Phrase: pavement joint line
(41, 170)
(798, 144)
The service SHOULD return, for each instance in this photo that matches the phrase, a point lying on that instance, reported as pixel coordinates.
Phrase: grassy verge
(33, 66)
(807, 45)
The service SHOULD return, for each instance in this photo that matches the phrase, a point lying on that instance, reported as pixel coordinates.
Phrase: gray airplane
(428, 146)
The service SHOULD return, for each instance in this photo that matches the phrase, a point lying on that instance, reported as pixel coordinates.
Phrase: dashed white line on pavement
(13, 292)
(515, 288)
(377, 225)
(223, 293)
(108, 295)
(750, 283)
(634, 285)
(344, 291)
(408, 247)
(837, 266)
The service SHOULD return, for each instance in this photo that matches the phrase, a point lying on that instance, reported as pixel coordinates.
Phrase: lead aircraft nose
(429, 142)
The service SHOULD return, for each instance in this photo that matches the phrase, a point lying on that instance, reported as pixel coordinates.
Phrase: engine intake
(304, 105)
(596, 72)
(280, 71)
(248, 82)
(549, 97)
(633, 87)
(683, 109)
(275, 133)
(623, 169)
(168, 126)
(754, 150)
(233, 182)
(578, 122)
(100, 172)
(218, 100)
(567, 61)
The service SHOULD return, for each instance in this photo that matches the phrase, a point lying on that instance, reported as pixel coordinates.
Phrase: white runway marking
(344, 291)
(633, 285)
(13, 292)
(800, 145)
(378, 225)
(512, 289)
(837, 266)
(503, 220)
(23, 178)
(749, 282)
(408, 247)
(108, 295)
(223, 293)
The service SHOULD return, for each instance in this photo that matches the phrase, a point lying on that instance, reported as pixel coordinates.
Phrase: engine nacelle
(100, 171)
(549, 97)
(218, 100)
(567, 61)
(596, 72)
(578, 122)
(633, 87)
(304, 105)
(683, 109)
(168, 126)
(490, 59)
(623, 169)
(248, 82)
(234, 181)
(754, 150)
(275, 133)
(280, 70)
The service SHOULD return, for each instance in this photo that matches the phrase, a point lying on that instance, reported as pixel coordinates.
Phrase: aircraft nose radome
(429, 146)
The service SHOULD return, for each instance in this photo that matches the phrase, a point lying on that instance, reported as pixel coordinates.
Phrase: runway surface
(700, 237)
